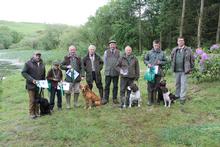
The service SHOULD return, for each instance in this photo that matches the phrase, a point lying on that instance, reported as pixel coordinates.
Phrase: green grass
(24, 27)
(196, 123)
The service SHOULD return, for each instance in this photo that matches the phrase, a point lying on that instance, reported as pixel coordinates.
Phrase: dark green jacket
(87, 67)
(188, 59)
(78, 68)
(32, 71)
(110, 61)
(130, 64)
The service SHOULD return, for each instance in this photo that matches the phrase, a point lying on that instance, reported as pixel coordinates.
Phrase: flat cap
(111, 41)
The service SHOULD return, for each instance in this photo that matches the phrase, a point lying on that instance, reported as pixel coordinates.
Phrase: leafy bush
(212, 70)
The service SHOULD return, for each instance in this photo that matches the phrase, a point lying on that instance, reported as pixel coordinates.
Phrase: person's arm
(25, 74)
(118, 65)
(105, 57)
(146, 59)
(64, 65)
(163, 61)
(101, 63)
(49, 75)
(137, 70)
(83, 67)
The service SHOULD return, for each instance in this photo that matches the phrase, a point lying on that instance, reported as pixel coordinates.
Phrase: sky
(71, 12)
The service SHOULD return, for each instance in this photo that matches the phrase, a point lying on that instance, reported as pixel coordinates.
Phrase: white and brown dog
(135, 94)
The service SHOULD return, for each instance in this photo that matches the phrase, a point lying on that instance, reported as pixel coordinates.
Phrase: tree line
(131, 22)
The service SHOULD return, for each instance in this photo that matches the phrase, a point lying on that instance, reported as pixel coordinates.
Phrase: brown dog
(90, 97)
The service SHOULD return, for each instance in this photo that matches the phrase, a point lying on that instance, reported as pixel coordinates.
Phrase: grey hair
(72, 46)
(92, 46)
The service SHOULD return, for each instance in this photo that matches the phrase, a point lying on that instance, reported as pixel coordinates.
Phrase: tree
(182, 17)
(200, 24)
(218, 29)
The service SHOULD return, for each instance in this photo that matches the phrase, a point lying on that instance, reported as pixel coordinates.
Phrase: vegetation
(194, 124)
(130, 22)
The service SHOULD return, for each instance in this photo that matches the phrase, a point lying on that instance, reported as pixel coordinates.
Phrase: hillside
(24, 27)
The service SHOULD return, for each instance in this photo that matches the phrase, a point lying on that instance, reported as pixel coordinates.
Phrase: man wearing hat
(54, 76)
(111, 57)
(33, 70)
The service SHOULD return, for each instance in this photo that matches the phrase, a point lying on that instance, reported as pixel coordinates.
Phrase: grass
(196, 123)
(24, 27)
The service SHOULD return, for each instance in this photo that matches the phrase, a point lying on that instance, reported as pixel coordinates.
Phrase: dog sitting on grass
(91, 98)
(44, 106)
(167, 96)
(135, 95)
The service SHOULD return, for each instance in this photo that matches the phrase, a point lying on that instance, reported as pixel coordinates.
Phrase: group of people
(125, 66)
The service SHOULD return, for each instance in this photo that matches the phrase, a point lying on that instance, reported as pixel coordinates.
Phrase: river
(8, 66)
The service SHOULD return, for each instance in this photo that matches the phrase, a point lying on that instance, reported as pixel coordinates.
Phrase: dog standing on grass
(135, 94)
(90, 97)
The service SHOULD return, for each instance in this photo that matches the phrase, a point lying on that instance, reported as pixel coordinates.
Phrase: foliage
(8, 37)
(212, 70)
(194, 124)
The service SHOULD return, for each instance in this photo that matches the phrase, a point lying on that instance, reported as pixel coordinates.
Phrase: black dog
(44, 106)
(160, 93)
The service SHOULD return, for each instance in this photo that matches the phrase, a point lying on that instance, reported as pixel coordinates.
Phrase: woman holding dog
(128, 67)
(155, 57)
(33, 70)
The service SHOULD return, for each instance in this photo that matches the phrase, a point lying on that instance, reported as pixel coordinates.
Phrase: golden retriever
(90, 97)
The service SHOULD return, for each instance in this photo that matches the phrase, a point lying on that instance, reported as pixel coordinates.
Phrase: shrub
(212, 70)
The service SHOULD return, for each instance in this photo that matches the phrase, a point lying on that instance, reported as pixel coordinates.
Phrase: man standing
(182, 64)
(128, 67)
(73, 68)
(111, 57)
(154, 57)
(33, 70)
(92, 65)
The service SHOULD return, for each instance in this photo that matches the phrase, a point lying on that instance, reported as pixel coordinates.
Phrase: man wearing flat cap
(111, 57)
(33, 70)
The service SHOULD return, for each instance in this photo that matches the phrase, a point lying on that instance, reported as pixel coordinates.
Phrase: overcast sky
(71, 12)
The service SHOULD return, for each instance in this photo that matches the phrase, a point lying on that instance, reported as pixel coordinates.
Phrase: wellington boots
(68, 96)
(76, 96)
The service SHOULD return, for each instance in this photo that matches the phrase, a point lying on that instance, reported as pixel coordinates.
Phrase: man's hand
(34, 82)
(68, 66)
(149, 65)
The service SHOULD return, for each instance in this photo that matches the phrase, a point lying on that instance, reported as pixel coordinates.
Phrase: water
(7, 67)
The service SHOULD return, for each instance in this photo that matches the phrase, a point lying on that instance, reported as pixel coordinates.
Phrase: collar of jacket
(95, 55)
(157, 51)
(72, 56)
(32, 60)
(131, 56)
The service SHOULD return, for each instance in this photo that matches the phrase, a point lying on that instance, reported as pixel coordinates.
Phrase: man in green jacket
(155, 57)
(128, 67)
(33, 70)
(111, 56)
(182, 64)
(73, 67)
